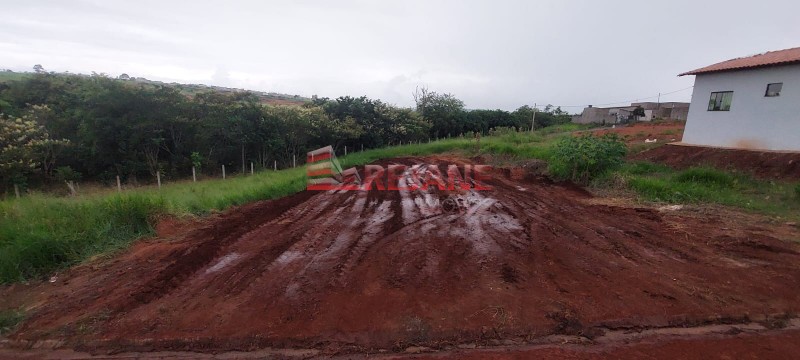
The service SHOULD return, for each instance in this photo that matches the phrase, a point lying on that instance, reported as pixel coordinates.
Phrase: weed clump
(583, 158)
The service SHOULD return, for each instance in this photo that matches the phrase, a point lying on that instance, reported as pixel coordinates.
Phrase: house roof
(770, 58)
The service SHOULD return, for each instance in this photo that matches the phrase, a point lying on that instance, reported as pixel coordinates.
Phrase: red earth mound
(763, 164)
(361, 271)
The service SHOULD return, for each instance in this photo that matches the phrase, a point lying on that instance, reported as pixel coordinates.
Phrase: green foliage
(581, 158)
(134, 128)
(564, 128)
(24, 145)
(644, 168)
(444, 111)
(705, 175)
(197, 159)
(66, 173)
(705, 185)
(40, 234)
(545, 118)
(9, 319)
(797, 191)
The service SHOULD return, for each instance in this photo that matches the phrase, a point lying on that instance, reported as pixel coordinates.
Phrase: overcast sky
(491, 54)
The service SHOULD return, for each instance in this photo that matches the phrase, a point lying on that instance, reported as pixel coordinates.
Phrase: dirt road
(352, 272)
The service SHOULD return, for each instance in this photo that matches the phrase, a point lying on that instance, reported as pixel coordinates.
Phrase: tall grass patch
(583, 158)
(714, 186)
(706, 175)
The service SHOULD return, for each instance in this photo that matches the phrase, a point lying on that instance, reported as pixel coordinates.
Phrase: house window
(774, 89)
(720, 101)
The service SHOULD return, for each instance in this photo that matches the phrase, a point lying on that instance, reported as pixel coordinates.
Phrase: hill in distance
(268, 98)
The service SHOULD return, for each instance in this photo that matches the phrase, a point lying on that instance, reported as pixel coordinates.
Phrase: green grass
(564, 128)
(706, 176)
(707, 185)
(644, 167)
(9, 320)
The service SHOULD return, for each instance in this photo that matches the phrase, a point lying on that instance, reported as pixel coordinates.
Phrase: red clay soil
(637, 133)
(763, 164)
(745, 346)
(362, 271)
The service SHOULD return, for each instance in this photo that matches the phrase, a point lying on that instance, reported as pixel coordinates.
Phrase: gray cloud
(491, 54)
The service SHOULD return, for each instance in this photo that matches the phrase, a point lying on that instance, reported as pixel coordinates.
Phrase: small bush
(706, 176)
(797, 191)
(583, 158)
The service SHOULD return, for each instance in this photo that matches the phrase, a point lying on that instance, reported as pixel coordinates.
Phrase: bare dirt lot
(392, 271)
(637, 133)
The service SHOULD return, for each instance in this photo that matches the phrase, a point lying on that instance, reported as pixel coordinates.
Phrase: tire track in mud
(200, 255)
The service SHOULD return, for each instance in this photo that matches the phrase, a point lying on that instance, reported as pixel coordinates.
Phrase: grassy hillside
(6, 76)
(271, 98)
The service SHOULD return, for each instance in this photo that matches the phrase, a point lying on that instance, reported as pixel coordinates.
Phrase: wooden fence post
(275, 165)
(294, 160)
(223, 172)
(119, 185)
(251, 168)
(158, 176)
(16, 190)
(194, 174)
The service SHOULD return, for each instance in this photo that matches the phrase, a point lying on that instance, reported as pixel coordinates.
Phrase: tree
(22, 144)
(549, 117)
(443, 111)
(124, 77)
(49, 150)
(39, 69)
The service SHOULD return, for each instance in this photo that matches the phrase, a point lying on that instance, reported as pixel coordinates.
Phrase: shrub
(797, 191)
(583, 158)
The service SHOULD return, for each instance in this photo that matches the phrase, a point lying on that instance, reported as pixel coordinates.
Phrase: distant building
(751, 102)
(621, 114)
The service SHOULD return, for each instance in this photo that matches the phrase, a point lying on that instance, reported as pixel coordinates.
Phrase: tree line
(67, 127)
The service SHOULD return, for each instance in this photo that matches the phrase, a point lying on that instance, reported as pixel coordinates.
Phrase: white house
(751, 102)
